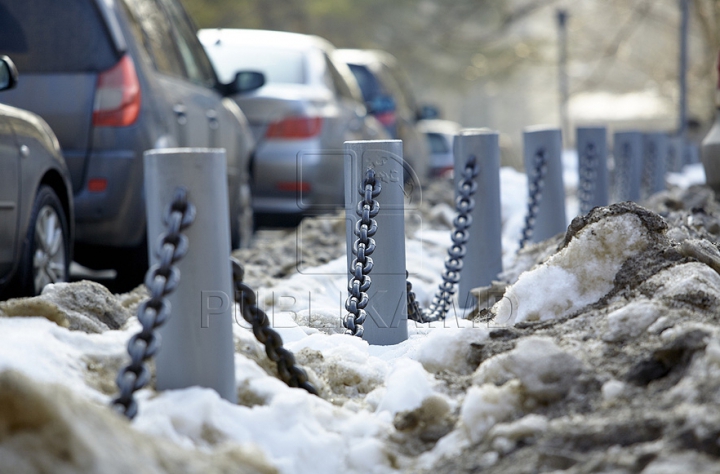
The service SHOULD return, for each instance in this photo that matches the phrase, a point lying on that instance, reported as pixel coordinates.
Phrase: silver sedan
(308, 106)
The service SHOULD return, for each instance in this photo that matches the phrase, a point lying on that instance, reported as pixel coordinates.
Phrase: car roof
(447, 127)
(365, 56)
(284, 39)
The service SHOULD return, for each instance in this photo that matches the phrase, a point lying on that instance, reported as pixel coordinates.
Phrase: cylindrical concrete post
(628, 158)
(197, 340)
(386, 321)
(592, 167)
(654, 162)
(545, 144)
(483, 257)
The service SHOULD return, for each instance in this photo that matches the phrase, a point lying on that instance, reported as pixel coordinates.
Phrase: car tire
(46, 248)
(242, 226)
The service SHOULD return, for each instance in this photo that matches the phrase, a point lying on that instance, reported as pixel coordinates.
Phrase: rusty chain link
(161, 280)
(288, 370)
(363, 247)
(588, 176)
(535, 190)
(464, 204)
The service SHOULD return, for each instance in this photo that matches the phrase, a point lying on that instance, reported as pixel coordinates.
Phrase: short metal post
(386, 321)
(483, 257)
(627, 175)
(675, 155)
(592, 167)
(654, 162)
(550, 219)
(197, 340)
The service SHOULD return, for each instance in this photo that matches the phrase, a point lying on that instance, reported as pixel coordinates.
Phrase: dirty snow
(566, 358)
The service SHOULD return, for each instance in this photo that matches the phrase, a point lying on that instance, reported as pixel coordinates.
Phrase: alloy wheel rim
(49, 258)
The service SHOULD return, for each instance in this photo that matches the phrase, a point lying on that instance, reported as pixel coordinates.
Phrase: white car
(308, 106)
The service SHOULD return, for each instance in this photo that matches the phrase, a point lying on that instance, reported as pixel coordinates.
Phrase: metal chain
(464, 205)
(535, 189)
(588, 175)
(161, 280)
(363, 247)
(288, 370)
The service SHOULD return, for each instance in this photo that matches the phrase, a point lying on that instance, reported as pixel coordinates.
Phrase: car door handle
(181, 113)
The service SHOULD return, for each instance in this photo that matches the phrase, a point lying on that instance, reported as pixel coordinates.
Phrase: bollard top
(622, 133)
(355, 142)
(182, 151)
(591, 128)
(477, 131)
(541, 128)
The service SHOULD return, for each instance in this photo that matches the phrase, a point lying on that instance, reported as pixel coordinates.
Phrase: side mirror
(427, 111)
(246, 81)
(8, 73)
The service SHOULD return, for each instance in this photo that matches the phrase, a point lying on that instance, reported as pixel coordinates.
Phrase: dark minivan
(113, 79)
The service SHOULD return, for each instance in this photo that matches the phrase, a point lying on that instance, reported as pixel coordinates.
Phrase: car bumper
(297, 177)
(114, 217)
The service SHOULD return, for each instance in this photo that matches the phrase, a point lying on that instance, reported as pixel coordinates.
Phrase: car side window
(341, 87)
(152, 29)
(197, 64)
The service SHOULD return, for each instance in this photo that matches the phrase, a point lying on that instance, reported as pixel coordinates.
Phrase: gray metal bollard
(655, 149)
(197, 340)
(628, 159)
(675, 156)
(592, 167)
(386, 321)
(547, 142)
(483, 258)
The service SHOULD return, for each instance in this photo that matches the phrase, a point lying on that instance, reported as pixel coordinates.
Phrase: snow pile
(603, 356)
(583, 270)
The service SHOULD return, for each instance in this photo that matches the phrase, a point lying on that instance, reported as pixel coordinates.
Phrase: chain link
(588, 177)
(363, 247)
(288, 370)
(535, 188)
(161, 280)
(464, 205)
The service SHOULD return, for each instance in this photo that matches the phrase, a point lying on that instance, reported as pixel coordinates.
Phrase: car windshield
(280, 66)
(437, 143)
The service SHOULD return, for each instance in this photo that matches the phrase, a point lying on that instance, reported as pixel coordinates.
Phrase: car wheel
(242, 225)
(46, 249)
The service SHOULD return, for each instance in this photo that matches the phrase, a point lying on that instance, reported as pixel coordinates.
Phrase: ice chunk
(631, 320)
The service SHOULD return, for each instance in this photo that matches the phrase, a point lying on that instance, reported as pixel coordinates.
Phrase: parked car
(36, 209)
(114, 79)
(440, 135)
(309, 105)
(388, 96)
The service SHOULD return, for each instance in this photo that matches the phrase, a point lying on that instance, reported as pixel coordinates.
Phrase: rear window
(43, 36)
(438, 144)
(280, 66)
(369, 85)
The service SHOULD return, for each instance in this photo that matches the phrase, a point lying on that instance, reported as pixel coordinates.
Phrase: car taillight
(386, 118)
(117, 98)
(295, 127)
